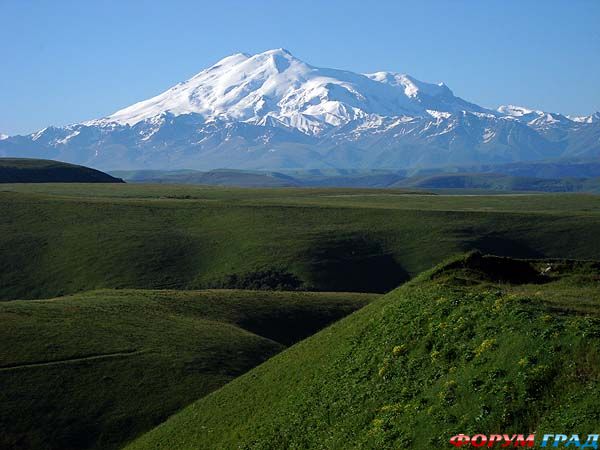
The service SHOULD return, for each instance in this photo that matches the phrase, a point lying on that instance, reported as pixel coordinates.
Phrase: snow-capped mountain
(586, 119)
(276, 85)
(274, 111)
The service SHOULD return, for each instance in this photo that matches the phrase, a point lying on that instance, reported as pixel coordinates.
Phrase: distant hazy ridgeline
(432, 179)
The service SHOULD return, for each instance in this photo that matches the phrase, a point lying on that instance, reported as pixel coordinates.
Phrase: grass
(93, 370)
(472, 346)
(220, 177)
(127, 339)
(499, 182)
(58, 239)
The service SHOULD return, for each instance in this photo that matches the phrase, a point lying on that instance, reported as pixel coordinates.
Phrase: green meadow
(184, 317)
(479, 343)
(65, 238)
(93, 370)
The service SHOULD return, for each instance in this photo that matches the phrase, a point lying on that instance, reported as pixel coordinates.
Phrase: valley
(465, 346)
(96, 369)
(93, 236)
(123, 304)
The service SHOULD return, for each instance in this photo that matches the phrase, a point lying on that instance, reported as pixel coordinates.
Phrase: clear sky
(68, 61)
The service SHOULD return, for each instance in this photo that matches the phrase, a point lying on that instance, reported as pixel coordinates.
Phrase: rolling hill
(498, 182)
(430, 180)
(480, 344)
(94, 370)
(93, 236)
(220, 177)
(122, 338)
(25, 170)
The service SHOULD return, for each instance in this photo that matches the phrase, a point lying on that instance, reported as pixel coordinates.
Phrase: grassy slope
(498, 182)
(95, 369)
(491, 181)
(459, 350)
(61, 239)
(25, 170)
(221, 177)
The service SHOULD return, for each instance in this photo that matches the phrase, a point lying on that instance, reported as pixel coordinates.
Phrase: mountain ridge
(273, 111)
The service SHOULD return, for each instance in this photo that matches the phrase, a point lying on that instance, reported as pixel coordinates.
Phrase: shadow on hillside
(353, 263)
(288, 326)
(496, 244)
(260, 280)
(497, 269)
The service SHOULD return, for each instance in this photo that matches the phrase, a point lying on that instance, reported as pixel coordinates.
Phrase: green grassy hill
(577, 177)
(95, 369)
(60, 239)
(25, 170)
(478, 345)
(499, 182)
(219, 177)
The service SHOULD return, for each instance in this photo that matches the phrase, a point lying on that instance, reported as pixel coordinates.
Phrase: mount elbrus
(274, 111)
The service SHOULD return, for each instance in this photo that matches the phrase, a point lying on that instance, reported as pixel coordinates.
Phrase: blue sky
(67, 61)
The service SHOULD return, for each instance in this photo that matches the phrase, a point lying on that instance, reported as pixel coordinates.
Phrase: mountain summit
(273, 111)
(276, 84)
